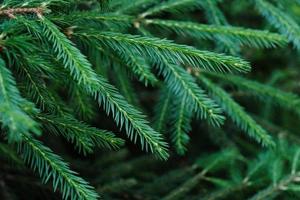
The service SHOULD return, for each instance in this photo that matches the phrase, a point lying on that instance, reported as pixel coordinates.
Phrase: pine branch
(50, 166)
(183, 189)
(65, 127)
(183, 84)
(156, 49)
(16, 47)
(222, 158)
(37, 91)
(140, 67)
(212, 13)
(242, 36)
(137, 65)
(66, 61)
(132, 120)
(230, 188)
(275, 190)
(286, 100)
(282, 21)
(180, 122)
(124, 114)
(237, 113)
(215, 16)
(11, 12)
(70, 56)
(218, 160)
(13, 118)
(33, 3)
(81, 18)
(84, 136)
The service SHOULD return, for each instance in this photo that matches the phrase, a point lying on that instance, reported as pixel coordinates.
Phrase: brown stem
(10, 12)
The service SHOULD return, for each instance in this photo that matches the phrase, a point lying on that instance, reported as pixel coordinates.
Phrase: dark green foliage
(171, 76)
(237, 114)
(241, 36)
(181, 125)
(50, 166)
(183, 84)
(280, 20)
(13, 118)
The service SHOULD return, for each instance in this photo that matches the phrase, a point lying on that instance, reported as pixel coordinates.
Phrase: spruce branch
(124, 114)
(181, 125)
(237, 113)
(84, 136)
(286, 100)
(275, 190)
(13, 117)
(12, 12)
(82, 17)
(140, 67)
(37, 91)
(51, 167)
(131, 119)
(210, 162)
(181, 83)
(136, 64)
(33, 3)
(156, 49)
(243, 36)
(215, 16)
(230, 188)
(70, 56)
(213, 13)
(73, 56)
(282, 21)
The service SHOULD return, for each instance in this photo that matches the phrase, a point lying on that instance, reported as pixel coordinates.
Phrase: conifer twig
(11, 12)
(275, 189)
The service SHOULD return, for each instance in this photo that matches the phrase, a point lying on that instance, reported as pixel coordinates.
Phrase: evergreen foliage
(168, 75)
